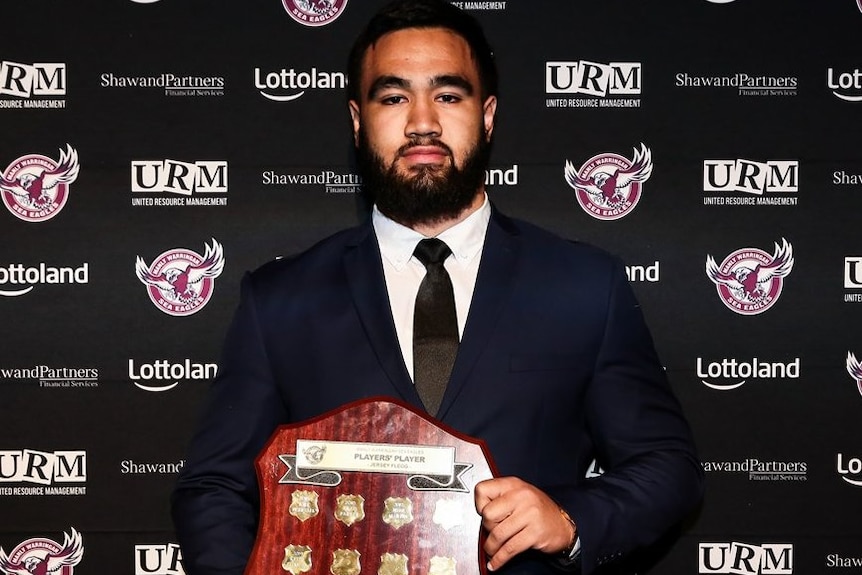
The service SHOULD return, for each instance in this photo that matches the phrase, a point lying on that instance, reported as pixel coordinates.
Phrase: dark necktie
(435, 325)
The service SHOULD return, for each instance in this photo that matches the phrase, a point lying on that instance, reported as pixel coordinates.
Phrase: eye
(392, 99)
(449, 98)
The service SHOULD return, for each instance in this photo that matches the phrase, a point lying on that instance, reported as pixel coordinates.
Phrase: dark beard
(430, 194)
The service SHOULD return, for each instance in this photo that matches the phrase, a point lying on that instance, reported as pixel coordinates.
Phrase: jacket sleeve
(652, 477)
(216, 499)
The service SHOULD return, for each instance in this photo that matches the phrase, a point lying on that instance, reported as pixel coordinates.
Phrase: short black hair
(404, 14)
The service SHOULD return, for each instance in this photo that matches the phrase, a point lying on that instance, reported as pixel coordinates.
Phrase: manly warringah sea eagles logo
(854, 367)
(749, 281)
(40, 556)
(608, 186)
(314, 12)
(180, 282)
(35, 188)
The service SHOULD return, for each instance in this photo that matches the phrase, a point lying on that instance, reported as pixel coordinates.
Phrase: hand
(517, 517)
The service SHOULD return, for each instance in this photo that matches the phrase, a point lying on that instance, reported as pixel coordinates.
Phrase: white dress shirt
(404, 273)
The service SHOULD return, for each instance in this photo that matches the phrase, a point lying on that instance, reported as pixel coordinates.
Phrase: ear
(489, 110)
(353, 106)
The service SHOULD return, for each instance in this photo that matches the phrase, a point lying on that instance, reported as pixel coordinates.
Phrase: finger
(499, 532)
(489, 490)
(514, 545)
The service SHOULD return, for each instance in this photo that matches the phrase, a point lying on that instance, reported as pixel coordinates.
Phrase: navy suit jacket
(556, 367)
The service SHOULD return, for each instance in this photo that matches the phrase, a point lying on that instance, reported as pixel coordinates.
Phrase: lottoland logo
(644, 273)
(850, 469)
(36, 85)
(502, 176)
(162, 375)
(758, 470)
(159, 559)
(286, 85)
(43, 472)
(734, 374)
(18, 279)
(846, 86)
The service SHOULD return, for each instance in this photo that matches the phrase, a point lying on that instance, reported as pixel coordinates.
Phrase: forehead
(416, 53)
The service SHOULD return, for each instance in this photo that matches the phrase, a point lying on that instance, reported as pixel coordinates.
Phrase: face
(421, 128)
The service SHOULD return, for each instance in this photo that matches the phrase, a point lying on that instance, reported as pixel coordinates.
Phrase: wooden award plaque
(372, 488)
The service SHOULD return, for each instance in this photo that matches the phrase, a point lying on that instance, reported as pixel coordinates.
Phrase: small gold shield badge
(345, 562)
(350, 509)
(442, 566)
(303, 504)
(397, 511)
(393, 564)
(297, 559)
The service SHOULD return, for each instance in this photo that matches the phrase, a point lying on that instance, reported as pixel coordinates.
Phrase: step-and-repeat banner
(154, 150)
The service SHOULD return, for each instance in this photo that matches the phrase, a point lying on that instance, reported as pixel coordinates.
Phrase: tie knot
(431, 251)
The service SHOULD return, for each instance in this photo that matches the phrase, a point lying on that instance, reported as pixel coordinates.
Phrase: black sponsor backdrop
(110, 320)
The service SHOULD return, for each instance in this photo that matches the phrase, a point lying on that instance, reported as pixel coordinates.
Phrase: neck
(435, 228)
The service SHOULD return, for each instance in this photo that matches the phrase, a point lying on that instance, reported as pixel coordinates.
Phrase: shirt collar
(465, 238)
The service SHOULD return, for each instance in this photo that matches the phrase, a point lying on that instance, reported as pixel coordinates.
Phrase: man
(554, 367)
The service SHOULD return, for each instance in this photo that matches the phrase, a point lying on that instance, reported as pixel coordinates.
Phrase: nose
(423, 119)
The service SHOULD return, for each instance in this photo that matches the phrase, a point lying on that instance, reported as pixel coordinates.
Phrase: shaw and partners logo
(35, 188)
(162, 375)
(314, 12)
(745, 559)
(180, 282)
(758, 470)
(40, 555)
(36, 85)
(331, 181)
(745, 84)
(846, 86)
(38, 473)
(596, 85)
(286, 85)
(185, 181)
(172, 84)
(749, 281)
(765, 183)
(729, 373)
(164, 559)
(59, 377)
(850, 469)
(608, 186)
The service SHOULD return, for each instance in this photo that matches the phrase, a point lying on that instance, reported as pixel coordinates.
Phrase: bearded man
(539, 348)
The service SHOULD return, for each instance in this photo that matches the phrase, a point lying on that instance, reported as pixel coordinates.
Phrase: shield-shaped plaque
(394, 490)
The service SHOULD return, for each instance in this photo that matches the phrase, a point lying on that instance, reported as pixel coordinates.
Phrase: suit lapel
(493, 288)
(368, 289)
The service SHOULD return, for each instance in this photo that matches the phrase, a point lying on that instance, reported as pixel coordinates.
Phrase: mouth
(420, 155)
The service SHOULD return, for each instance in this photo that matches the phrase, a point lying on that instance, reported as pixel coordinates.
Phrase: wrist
(569, 549)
